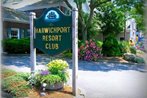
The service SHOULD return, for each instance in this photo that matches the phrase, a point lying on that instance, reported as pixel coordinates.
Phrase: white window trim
(18, 32)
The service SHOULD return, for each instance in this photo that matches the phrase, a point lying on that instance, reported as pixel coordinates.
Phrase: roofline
(13, 20)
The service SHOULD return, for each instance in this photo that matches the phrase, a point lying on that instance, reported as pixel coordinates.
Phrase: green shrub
(133, 50)
(124, 47)
(67, 54)
(15, 84)
(17, 45)
(80, 43)
(133, 58)
(111, 47)
(23, 75)
(129, 57)
(7, 72)
(99, 43)
(139, 60)
(21, 91)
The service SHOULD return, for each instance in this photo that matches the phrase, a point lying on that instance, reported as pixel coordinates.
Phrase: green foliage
(112, 19)
(16, 45)
(139, 60)
(7, 83)
(21, 91)
(57, 66)
(23, 75)
(15, 84)
(50, 79)
(67, 54)
(135, 9)
(87, 27)
(133, 58)
(111, 47)
(99, 43)
(81, 43)
(7, 72)
(124, 47)
(133, 50)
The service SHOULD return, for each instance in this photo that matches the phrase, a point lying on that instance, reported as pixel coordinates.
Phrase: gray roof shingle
(14, 15)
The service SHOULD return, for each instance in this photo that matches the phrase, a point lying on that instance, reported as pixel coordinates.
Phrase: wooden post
(75, 50)
(32, 49)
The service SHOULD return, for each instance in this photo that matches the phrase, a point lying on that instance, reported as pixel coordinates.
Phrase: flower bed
(89, 51)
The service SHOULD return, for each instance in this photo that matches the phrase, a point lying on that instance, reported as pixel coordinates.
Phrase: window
(122, 38)
(28, 33)
(14, 33)
(22, 33)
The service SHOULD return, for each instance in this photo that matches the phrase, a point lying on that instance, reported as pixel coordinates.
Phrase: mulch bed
(114, 59)
(66, 92)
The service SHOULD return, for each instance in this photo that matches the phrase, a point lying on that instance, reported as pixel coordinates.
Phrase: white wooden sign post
(74, 50)
(32, 49)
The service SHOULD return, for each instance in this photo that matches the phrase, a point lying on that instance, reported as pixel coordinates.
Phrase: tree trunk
(85, 30)
(84, 34)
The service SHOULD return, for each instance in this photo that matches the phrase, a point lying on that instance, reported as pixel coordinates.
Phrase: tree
(112, 21)
(113, 15)
(135, 8)
(86, 23)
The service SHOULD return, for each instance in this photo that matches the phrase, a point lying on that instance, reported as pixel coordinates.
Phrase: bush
(7, 73)
(133, 58)
(111, 47)
(17, 45)
(89, 51)
(129, 57)
(139, 60)
(99, 44)
(67, 54)
(15, 83)
(124, 47)
(133, 50)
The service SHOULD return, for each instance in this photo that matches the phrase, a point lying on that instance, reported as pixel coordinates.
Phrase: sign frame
(53, 33)
(74, 48)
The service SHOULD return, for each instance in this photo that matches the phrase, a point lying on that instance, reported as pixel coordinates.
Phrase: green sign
(53, 32)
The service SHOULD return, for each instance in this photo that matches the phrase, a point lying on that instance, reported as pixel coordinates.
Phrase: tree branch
(68, 4)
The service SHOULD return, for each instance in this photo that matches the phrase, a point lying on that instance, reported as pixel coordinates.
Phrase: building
(131, 30)
(16, 15)
(15, 23)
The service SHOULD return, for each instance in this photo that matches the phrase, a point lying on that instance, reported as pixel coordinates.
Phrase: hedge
(16, 45)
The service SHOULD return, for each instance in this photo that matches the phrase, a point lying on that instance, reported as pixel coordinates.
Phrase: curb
(128, 63)
(82, 94)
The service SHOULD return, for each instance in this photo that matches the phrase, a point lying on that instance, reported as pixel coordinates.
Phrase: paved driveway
(96, 79)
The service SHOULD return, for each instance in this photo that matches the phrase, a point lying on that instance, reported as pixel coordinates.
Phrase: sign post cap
(75, 9)
(32, 14)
